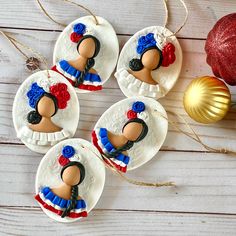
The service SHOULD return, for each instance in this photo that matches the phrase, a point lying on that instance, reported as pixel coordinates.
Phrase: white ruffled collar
(41, 138)
(138, 87)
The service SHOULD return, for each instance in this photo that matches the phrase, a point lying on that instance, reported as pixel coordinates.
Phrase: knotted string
(113, 169)
(71, 2)
(192, 134)
(34, 61)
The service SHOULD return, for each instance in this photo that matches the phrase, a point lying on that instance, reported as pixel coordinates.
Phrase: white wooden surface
(203, 203)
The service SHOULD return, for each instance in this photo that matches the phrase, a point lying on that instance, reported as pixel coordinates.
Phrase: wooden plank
(12, 64)
(122, 14)
(219, 135)
(28, 221)
(93, 105)
(205, 182)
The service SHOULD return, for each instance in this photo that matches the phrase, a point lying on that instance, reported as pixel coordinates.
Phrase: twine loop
(115, 171)
(192, 134)
(71, 2)
(167, 18)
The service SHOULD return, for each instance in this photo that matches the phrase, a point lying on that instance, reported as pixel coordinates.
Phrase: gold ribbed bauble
(207, 99)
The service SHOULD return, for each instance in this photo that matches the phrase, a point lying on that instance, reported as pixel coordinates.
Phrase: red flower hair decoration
(61, 94)
(168, 53)
(168, 50)
(137, 108)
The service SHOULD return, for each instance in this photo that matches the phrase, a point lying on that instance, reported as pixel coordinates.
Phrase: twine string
(192, 134)
(167, 13)
(15, 43)
(115, 171)
(67, 1)
(167, 17)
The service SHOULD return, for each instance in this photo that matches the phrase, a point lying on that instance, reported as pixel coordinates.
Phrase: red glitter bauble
(221, 49)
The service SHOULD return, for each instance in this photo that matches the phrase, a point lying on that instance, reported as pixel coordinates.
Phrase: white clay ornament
(131, 132)
(149, 63)
(45, 111)
(86, 53)
(70, 180)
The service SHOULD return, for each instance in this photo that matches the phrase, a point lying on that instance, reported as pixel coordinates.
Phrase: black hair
(91, 62)
(130, 143)
(74, 189)
(34, 117)
(136, 64)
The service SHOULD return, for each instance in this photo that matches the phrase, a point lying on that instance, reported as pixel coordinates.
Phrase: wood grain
(127, 17)
(205, 182)
(96, 103)
(28, 221)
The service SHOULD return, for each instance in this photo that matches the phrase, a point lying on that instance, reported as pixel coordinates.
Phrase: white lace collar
(138, 87)
(41, 138)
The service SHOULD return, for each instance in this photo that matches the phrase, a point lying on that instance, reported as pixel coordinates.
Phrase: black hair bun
(34, 117)
(135, 64)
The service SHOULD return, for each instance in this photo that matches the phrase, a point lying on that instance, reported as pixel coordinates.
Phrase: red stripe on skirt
(59, 212)
(110, 162)
(80, 86)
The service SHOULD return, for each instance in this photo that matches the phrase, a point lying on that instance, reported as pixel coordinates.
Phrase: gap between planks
(48, 30)
(161, 150)
(128, 210)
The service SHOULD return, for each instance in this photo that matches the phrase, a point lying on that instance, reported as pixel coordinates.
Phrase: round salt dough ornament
(70, 180)
(86, 54)
(131, 132)
(149, 63)
(45, 111)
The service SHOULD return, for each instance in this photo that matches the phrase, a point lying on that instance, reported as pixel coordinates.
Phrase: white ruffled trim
(58, 207)
(40, 138)
(74, 78)
(138, 87)
(120, 163)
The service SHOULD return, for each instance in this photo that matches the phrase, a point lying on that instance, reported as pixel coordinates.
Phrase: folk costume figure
(86, 53)
(152, 56)
(45, 111)
(115, 146)
(64, 200)
(80, 71)
(149, 63)
(69, 180)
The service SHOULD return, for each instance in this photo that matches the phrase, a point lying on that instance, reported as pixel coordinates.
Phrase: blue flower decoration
(138, 107)
(34, 94)
(145, 42)
(68, 151)
(140, 49)
(79, 28)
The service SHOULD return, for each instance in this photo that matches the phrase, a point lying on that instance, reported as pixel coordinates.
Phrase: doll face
(151, 58)
(87, 48)
(46, 107)
(132, 131)
(71, 175)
